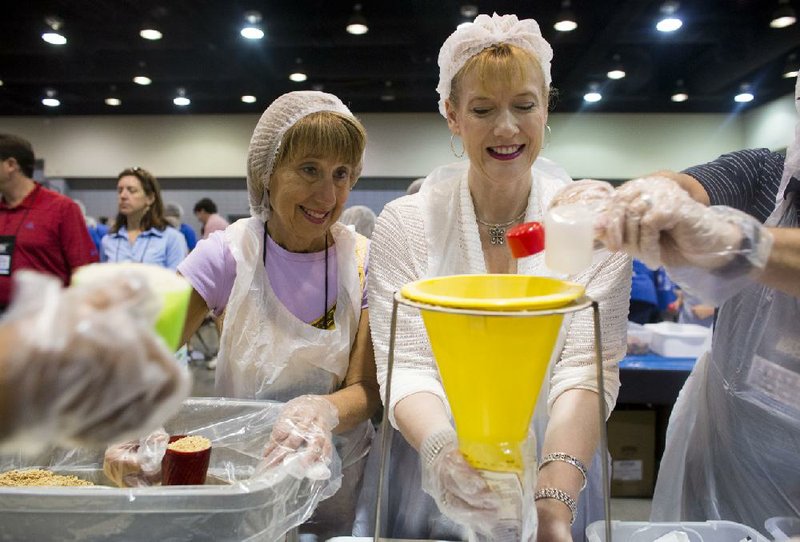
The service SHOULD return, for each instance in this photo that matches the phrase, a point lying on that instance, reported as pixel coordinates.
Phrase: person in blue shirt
(651, 293)
(173, 213)
(140, 232)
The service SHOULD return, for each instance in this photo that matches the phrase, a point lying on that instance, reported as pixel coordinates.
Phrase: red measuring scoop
(526, 239)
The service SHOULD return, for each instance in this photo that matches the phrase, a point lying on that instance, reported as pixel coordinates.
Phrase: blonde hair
(503, 63)
(324, 133)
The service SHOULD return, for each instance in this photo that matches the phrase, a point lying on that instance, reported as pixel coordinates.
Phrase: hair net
(361, 217)
(484, 32)
(282, 114)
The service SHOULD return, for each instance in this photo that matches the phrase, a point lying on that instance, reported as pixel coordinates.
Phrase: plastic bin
(783, 528)
(231, 507)
(674, 340)
(639, 338)
(709, 531)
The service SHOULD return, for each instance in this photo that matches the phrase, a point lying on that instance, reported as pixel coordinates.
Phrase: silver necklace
(497, 232)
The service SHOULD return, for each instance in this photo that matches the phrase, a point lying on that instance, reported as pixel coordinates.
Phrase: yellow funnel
(173, 292)
(492, 366)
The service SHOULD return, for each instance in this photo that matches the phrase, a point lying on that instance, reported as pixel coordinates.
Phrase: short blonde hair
(504, 63)
(324, 133)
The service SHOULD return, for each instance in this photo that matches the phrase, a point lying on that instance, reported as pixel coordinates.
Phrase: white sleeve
(609, 283)
(398, 237)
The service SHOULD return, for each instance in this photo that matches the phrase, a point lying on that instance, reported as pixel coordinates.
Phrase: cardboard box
(632, 444)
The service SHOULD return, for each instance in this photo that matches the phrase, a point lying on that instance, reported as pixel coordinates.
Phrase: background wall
(198, 156)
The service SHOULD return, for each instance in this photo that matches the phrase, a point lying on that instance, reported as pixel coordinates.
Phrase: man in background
(206, 212)
(39, 228)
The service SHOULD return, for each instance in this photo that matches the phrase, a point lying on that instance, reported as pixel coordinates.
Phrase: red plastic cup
(184, 468)
(526, 239)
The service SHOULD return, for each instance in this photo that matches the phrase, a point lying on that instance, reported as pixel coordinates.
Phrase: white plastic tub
(783, 528)
(231, 506)
(709, 531)
(674, 340)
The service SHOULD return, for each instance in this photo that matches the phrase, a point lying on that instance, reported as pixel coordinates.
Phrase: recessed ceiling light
(50, 99)
(616, 74)
(784, 16)
(566, 19)
(150, 34)
(252, 29)
(181, 100)
(790, 74)
(669, 21)
(142, 80)
(565, 26)
(249, 99)
(1, 82)
(113, 102)
(745, 94)
(298, 77)
(679, 97)
(592, 96)
(357, 25)
(54, 38)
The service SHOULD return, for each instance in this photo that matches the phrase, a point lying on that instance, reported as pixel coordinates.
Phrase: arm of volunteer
(359, 397)
(688, 183)
(195, 315)
(783, 267)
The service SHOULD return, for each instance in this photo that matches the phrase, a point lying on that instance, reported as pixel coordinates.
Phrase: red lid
(526, 239)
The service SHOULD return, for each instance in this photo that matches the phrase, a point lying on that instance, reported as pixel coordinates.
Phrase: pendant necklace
(497, 232)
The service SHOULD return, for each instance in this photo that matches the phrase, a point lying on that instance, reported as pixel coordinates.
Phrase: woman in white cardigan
(494, 88)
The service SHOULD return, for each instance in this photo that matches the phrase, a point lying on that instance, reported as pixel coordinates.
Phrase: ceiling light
(617, 71)
(593, 95)
(470, 11)
(54, 36)
(789, 70)
(745, 94)
(299, 74)
(566, 18)
(249, 99)
(669, 21)
(142, 80)
(50, 99)
(113, 102)
(252, 29)
(181, 100)
(1, 82)
(150, 33)
(388, 93)
(679, 94)
(784, 16)
(357, 25)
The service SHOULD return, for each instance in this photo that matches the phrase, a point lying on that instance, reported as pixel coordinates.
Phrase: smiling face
(499, 109)
(131, 196)
(307, 195)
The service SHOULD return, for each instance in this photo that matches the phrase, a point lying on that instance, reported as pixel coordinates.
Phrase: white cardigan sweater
(400, 253)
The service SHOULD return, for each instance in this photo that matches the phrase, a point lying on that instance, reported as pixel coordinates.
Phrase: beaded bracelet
(566, 458)
(557, 494)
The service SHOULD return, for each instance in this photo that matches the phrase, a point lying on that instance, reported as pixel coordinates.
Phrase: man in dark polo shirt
(39, 228)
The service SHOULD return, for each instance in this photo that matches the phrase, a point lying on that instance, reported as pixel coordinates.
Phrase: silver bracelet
(566, 458)
(557, 494)
(434, 443)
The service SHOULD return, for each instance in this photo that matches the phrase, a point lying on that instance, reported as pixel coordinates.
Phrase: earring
(453, 147)
(546, 136)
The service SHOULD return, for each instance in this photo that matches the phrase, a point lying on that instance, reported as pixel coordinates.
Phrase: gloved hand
(301, 441)
(136, 463)
(655, 220)
(459, 490)
(85, 367)
(590, 193)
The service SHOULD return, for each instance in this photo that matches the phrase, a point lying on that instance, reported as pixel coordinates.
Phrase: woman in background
(140, 232)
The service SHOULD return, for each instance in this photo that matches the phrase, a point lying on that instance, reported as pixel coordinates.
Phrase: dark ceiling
(722, 45)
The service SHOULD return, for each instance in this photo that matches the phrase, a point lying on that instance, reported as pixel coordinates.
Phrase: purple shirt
(298, 279)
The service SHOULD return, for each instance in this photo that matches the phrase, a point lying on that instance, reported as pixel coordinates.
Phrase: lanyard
(144, 252)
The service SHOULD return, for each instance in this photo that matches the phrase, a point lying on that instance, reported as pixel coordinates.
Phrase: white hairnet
(361, 217)
(484, 32)
(282, 114)
(173, 210)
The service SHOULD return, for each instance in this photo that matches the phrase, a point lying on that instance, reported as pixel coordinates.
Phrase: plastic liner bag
(238, 502)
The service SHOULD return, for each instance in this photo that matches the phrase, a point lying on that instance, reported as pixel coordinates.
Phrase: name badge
(6, 254)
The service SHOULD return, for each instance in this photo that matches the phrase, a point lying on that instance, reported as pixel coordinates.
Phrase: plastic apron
(407, 511)
(267, 353)
(734, 434)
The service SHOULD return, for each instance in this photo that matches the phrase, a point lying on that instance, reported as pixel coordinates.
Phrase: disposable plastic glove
(136, 463)
(301, 442)
(657, 221)
(459, 490)
(86, 367)
(590, 193)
